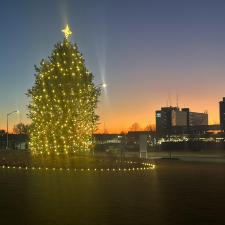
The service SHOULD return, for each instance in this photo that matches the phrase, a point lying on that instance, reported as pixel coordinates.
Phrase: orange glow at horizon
(135, 100)
(119, 116)
(118, 121)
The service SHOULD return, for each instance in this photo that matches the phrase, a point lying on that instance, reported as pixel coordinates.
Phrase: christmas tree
(63, 102)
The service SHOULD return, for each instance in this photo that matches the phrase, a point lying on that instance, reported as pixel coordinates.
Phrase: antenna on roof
(177, 100)
(170, 102)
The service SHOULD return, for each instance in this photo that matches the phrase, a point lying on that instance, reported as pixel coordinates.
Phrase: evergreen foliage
(62, 103)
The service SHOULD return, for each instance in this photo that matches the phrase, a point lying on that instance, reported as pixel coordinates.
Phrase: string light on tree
(63, 102)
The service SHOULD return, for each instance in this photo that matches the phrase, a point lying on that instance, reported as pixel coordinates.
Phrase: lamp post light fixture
(102, 86)
(7, 138)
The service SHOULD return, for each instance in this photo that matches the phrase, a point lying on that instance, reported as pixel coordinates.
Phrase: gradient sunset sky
(146, 51)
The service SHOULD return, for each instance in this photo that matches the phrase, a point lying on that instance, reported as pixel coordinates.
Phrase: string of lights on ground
(145, 166)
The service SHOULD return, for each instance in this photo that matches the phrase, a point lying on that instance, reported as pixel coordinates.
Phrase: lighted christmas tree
(63, 102)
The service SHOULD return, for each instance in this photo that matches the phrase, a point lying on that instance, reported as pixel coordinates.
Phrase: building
(198, 119)
(108, 138)
(179, 118)
(222, 114)
(16, 141)
(164, 120)
(172, 120)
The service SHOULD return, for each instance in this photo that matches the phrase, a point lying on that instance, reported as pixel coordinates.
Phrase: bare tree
(135, 127)
(21, 128)
(150, 127)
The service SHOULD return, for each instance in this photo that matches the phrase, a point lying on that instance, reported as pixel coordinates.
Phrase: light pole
(102, 86)
(7, 137)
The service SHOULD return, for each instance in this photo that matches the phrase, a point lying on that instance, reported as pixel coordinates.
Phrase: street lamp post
(7, 137)
(102, 86)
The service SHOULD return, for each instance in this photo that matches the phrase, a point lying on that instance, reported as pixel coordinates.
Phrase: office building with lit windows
(172, 120)
(222, 114)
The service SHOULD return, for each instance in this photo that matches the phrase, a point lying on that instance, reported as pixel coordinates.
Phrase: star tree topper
(67, 32)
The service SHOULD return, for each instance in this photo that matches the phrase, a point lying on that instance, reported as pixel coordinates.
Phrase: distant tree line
(136, 127)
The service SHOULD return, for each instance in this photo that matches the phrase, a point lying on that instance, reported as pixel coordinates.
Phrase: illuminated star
(67, 32)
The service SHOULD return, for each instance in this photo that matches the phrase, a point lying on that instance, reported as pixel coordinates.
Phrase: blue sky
(144, 50)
